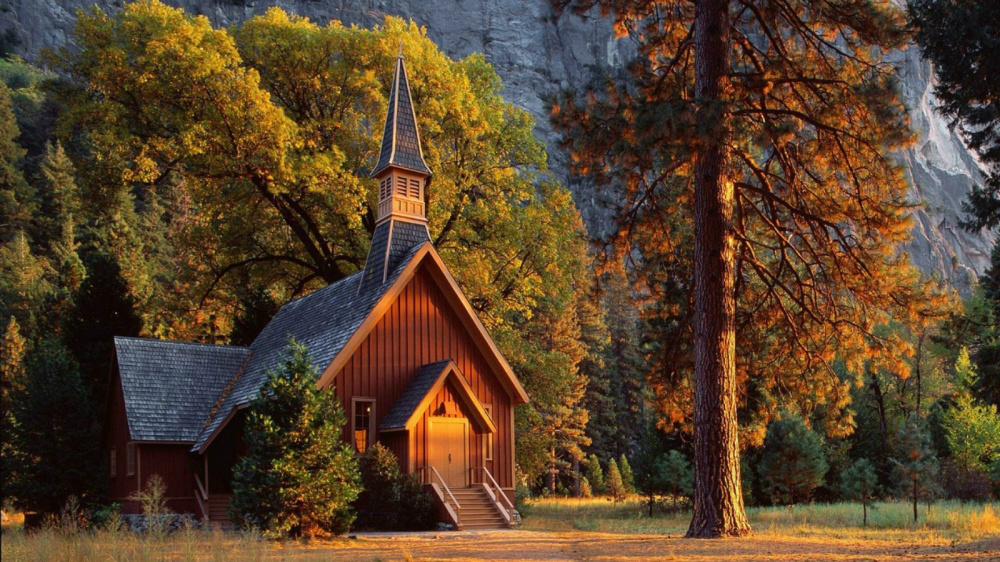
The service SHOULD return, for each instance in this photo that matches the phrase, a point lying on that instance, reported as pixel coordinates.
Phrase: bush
(297, 478)
(391, 500)
(792, 463)
(522, 499)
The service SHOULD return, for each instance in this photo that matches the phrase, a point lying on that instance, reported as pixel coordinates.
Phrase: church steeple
(401, 171)
(402, 176)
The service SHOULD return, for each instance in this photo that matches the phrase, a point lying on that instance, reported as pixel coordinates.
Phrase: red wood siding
(447, 405)
(174, 464)
(121, 486)
(420, 328)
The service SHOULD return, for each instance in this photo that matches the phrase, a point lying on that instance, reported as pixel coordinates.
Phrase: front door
(448, 449)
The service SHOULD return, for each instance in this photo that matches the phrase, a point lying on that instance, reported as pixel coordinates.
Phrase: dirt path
(529, 545)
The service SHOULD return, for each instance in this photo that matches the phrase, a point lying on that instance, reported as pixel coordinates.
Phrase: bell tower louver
(402, 175)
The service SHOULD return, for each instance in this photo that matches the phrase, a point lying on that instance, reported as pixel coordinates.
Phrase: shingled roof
(169, 387)
(322, 321)
(401, 138)
(427, 381)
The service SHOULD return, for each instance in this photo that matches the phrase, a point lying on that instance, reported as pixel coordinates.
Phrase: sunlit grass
(945, 521)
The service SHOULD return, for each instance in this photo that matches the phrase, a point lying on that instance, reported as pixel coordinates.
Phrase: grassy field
(566, 529)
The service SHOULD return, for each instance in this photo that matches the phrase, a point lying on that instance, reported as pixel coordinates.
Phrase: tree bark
(718, 497)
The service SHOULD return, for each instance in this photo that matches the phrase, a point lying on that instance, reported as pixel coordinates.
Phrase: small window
(489, 436)
(414, 188)
(384, 189)
(401, 186)
(130, 458)
(113, 462)
(364, 417)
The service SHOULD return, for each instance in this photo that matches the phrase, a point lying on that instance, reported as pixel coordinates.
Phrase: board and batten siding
(420, 328)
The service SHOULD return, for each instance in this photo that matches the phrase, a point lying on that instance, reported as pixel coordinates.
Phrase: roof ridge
(182, 342)
(225, 392)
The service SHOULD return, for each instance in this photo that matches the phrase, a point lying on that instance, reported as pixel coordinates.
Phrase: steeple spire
(402, 175)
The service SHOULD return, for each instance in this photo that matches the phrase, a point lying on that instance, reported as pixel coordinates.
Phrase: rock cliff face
(537, 55)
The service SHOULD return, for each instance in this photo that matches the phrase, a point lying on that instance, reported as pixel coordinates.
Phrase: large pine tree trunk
(718, 498)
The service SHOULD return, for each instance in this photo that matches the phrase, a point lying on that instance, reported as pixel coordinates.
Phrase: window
(489, 436)
(364, 417)
(384, 188)
(130, 458)
(113, 463)
(401, 186)
(414, 188)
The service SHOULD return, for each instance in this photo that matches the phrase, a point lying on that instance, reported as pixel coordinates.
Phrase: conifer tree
(103, 308)
(24, 283)
(750, 147)
(595, 474)
(13, 348)
(297, 478)
(972, 429)
(915, 461)
(55, 434)
(614, 483)
(792, 463)
(858, 483)
(18, 201)
(628, 479)
(59, 196)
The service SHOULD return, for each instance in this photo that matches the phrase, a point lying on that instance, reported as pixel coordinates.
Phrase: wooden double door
(448, 449)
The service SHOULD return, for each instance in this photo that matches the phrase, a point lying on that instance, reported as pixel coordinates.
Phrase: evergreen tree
(665, 474)
(60, 198)
(12, 377)
(959, 37)
(56, 433)
(257, 308)
(297, 478)
(858, 483)
(614, 484)
(739, 145)
(916, 464)
(24, 284)
(595, 475)
(18, 201)
(987, 355)
(103, 308)
(628, 479)
(792, 464)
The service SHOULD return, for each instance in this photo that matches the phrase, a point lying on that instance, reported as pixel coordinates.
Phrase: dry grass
(574, 530)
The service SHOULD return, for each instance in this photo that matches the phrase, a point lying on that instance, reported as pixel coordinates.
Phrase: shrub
(614, 484)
(153, 501)
(792, 463)
(522, 499)
(297, 478)
(391, 500)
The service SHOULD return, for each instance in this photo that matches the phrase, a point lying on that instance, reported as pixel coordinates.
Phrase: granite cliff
(537, 55)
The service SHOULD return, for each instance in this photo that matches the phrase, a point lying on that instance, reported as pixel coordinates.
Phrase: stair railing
(497, 496)
(202, 496)
(430, 480)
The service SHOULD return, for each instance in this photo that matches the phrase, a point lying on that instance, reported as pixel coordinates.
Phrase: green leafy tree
(792, 464)
(390, 500)
(56, 432)
(972, 429)
(916, 463)
(614, 484)
(594, 473)
(297, 478)
(858, 483)
(628, 478)
(967, 88)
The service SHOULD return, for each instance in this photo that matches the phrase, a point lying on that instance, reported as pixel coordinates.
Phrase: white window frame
(488, 438)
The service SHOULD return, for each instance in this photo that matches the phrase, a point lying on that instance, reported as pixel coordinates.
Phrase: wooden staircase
(218, 511)
(478, 510)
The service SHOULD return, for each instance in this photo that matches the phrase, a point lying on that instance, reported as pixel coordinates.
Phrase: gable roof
(323, 321)
(170, 386)
(401, 138)
(423, 387)
(426, 255)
